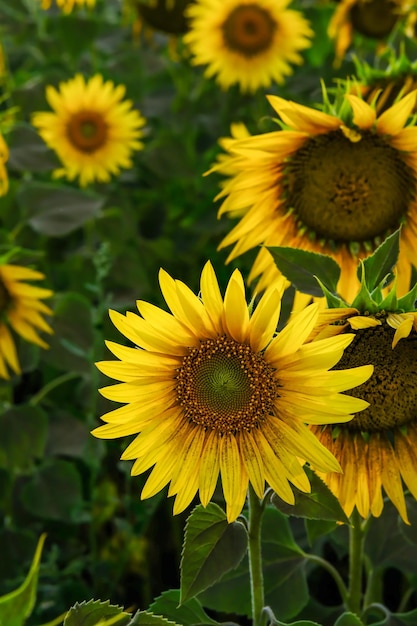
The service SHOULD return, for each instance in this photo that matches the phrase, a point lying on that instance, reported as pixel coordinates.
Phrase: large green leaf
(301, 267)
(379, 265)
(320, 504)
(386, 545)
(286, 590)
(56, 210)
(23, 436)
(54, 492)
(95, 612)
(348, 619)
(211, 548)
(189, 613)
(28, 152)
(16, 606)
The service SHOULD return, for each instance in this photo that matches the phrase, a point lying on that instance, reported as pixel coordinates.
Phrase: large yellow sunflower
(335, 184)
(92, 130)
(374, 19)
(22, 310)
(67, 5)
(377, 449)
(4, 156)
(249, 42)
(211, 390)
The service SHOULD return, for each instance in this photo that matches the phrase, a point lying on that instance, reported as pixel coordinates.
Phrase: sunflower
(92, 130)
(4, 156)
(67, 5)
(335, 184)
(212, 390)
(249, 42)
(22, 311)
(377, 449)
(165, 16)
(374, 19)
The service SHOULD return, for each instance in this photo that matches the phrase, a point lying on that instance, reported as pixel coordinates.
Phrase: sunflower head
(67, 6)
(211, 390)
(165, 16)
(373, 19)
(22, 311)
(336, 181)
(92, 128)
(376, 449)
(247, 42)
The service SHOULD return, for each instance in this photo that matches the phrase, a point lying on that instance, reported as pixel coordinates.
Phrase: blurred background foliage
(101, 248)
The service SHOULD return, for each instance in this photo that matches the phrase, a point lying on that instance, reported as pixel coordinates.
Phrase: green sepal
(377, 268)
(363, 300)
(390, 302)
(212, 547)
(96, 612)
(408, 301)
(333, 300)
(304, 269)
(17, 605)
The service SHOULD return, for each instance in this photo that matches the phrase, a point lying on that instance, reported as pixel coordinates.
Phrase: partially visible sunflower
(377, 449)
(165, 16)
(67, 5)
(210, 390)
(335, 184)
(93, 129)
(374, 19)
(22, 310)
(4, 156)
(247, 42)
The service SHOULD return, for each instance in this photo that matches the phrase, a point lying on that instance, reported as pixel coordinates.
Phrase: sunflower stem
(37, 398)
(255, 557)
(356, 541)
(314, 558)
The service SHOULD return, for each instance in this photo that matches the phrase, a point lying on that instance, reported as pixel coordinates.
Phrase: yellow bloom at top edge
(252, 43)
(92, 128)
(22, 310)
(210, 390)
(335, 184)
(67, 6)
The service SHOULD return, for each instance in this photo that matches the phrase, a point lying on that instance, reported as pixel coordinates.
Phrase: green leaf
(17, 605)
(54, 492)
(317, 528)
(72, 342)
(303, 268)
(286, 590)
(348, 619)
(149, 619)
(211, 548)
(190, 613)
(408, 302)
(320, 504)
(28, 152)
(23, 437)
(303, 622)
(363, 300)
(56, 210)
(96, 612)
(379, 265)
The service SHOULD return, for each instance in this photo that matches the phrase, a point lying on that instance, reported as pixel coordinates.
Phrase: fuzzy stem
(255, 557)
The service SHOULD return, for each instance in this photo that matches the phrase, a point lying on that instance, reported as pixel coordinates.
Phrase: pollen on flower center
(345, 190)
(392, 389)
(249, 30)
(87, 131)
(224, 385)
(374, 18)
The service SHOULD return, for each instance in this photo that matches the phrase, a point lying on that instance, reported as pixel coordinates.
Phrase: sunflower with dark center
(335, 184)
(250, 43)
(377, 449)
(210, 389)
(67, 6)
(21, 311)
(374, 19)
(93, 130)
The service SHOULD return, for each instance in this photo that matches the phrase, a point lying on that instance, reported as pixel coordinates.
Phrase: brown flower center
(249, 30)
(374, 18)
(392, 389)
(87, 131)
(345, 191)
(223, 385)
(166, 16)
